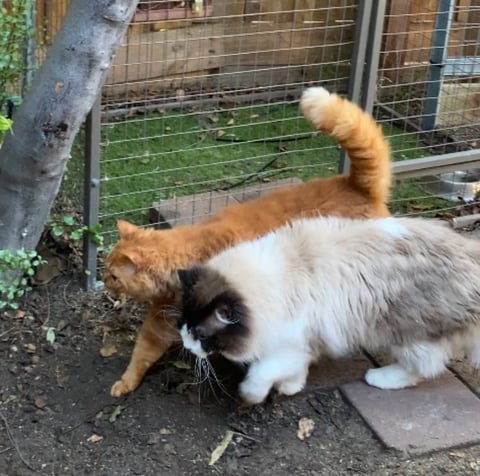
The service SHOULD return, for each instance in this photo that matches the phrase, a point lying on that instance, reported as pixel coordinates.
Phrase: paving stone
(258, 190)
(193, 208)
(435, 415)
(189, 209)
(330, 373)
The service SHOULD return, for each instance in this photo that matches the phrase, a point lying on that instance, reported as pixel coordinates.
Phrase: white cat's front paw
(291, 386)
(253, 393)
(391, 377)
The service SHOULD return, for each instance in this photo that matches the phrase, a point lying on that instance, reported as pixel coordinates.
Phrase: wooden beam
(396, 38)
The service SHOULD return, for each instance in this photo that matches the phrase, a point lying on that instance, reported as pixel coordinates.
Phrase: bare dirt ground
(57, 417)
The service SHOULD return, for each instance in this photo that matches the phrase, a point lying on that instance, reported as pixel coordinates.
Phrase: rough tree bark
(33, 158)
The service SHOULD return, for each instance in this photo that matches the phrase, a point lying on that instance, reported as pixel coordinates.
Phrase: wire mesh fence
(202, 105)
(200, 108)
(428, 87)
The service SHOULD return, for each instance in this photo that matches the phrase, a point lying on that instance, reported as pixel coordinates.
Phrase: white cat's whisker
(219, 382)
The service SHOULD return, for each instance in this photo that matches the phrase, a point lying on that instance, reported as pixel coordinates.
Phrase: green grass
(163, 155)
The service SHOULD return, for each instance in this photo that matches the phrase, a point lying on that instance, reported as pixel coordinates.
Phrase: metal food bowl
(455, 186)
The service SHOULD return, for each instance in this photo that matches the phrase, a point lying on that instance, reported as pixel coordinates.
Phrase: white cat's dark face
(213, 316)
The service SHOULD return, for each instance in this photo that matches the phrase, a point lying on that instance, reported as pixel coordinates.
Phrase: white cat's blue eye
(221, 318)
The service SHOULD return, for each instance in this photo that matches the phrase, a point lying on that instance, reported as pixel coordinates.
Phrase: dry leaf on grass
(305, 428)
(94, 438)
(220, 449)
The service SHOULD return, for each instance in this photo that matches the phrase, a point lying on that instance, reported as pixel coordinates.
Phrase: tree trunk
(33, 158)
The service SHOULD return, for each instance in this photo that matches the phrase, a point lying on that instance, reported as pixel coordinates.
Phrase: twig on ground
(6, 332)
(14, 443)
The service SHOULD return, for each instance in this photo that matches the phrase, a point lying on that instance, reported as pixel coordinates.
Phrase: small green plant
(72, 231)
(15, 269)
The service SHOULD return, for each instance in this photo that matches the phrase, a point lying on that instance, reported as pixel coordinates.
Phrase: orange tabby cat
(143, 262)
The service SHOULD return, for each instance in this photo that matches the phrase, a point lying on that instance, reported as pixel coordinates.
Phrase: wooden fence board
(167, 53)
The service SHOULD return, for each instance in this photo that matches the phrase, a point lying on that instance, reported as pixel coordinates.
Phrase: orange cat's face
(138, 265)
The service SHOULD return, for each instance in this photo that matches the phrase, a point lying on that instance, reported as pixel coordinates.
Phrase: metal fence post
(366, 56)
(437, 62)
(372, 57)
(362, 25)
(91, 191)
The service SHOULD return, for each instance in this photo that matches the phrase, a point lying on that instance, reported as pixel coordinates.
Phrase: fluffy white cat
(334, 286)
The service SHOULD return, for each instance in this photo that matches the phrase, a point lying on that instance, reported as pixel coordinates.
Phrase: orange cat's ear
(125, 228)
(133, 259)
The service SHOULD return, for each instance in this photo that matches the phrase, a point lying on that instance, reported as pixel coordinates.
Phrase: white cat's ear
(189, 277)
(221, 316)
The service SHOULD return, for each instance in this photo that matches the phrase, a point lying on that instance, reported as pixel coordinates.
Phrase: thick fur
(333, 286)
(143, 262)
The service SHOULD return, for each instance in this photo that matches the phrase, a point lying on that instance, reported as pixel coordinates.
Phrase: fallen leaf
(19, 314)
(116, 413)
(305, 428)
(220, 449)
(457, 454)
(180, 364)
(58, 87)
(254, 116)
(231, 122)
(50, 335)
(108, 349)
(165, 431)
(31, 348)
(95, 438)
(40, 402)
(220, 133)
(413, 207)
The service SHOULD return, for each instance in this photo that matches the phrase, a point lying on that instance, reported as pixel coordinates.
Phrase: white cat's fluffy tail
(358, 133)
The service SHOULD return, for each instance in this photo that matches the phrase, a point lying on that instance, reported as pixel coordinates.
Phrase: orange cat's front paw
(122, 387)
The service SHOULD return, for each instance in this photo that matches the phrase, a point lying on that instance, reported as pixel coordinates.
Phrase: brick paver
(193, 208)
(435, 415)
(258, 190)
(189, 209)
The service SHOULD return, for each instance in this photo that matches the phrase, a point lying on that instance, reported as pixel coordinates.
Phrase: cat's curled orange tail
(357, 132)
(143, 263)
